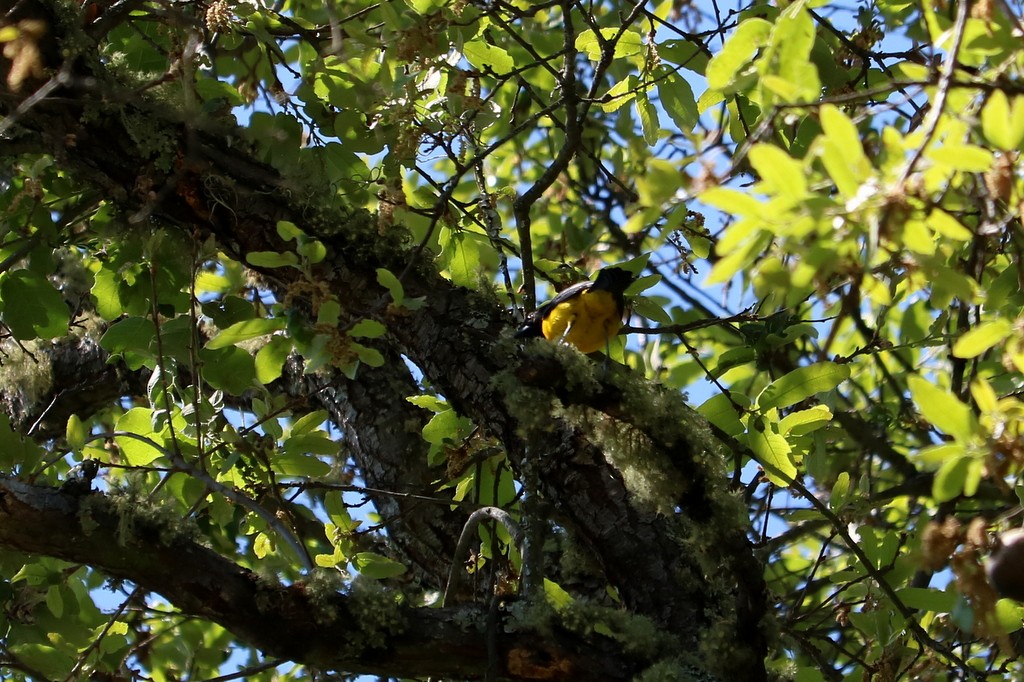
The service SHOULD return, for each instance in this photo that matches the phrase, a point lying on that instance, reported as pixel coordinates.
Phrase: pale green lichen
(378, 612)
(656, 449)
(139, 514)
(26, 371)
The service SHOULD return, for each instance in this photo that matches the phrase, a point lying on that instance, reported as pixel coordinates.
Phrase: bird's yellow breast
(587, 321)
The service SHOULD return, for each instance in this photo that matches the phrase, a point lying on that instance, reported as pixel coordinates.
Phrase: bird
(587, 315)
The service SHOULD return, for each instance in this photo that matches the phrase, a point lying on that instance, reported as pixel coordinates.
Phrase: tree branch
(364, 631)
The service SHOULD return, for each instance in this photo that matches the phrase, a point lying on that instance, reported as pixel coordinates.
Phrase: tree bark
(359, 633)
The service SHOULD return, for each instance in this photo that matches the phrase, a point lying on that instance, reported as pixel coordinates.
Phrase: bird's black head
(615, 280)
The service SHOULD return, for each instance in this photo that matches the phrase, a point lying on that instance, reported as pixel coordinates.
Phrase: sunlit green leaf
(979, 339)
(629, 43)
(942, 409)
(842, 151)
(139, 421)
(244, 331)
(722, 411)
(840, 491)
(485, 56)
(376, 566)
(779, 172)
(951, 479)
(803, 383)
(386, 279)
(772, 452)
(1001, 123)
(270, 359)
(76, 433)
(556, 596)
(738, 51)
(271, 259)
(262, 546)
(802, 422)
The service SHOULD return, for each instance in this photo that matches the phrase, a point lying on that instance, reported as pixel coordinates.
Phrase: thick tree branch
(366, 633)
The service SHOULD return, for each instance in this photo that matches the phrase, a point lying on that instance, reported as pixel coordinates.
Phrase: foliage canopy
(260, 264)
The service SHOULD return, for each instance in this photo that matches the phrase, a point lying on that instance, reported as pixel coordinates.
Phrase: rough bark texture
(353, 632)
(681, 560)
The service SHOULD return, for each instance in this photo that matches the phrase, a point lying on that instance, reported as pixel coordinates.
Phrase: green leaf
(444, 428)
(802, 422)
(316, 443)
(802, 383)
(555, 596)
(772, 452)
(984, 395)
(951, 479)
(271, 358)
(271, 259)
(288, 230)
(928, 599)
(738, 50)
(647, 307)
(948, 226)
(630, 43)
(17, 452)
(721, 412)
(840, 491)
(54, 602)
(732, 201)
(138, 420)
(105, 290)
(331, 560)
(935, 455)
(1001, 124)
(313, 250)
(376, 566)
(329, 313)
(426, 6)
(1009, 615)
(962, 157)
(244, 331)
(786, 65)
(308, 423)
(131, 338)
(619, 94)
(979, 339)
(367, 329)
(942, 409)
(387, 280)
(262, 546)
(75, 433)
(779, 172)
(300, 465)
(648, 118)
(54, 663)
(32, 308)
(427, 402)
(461, 255)
(484, 56)
(368, 356)
(229, 369)
(842, 151)
(676, 97)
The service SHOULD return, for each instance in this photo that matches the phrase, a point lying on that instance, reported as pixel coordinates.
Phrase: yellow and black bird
(588, 315)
